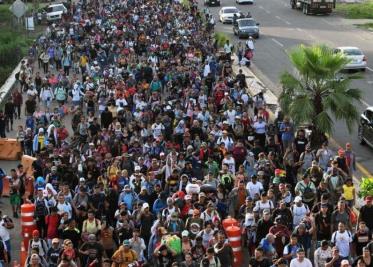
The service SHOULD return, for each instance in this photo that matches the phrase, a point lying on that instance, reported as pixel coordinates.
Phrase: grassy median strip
(363, 10)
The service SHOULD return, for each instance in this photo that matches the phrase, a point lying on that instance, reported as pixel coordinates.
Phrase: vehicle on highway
(226, 14)
(313, 6)
(251, 2)
(358, 61)
(245, 28)
(55, 12)
(211, 2)
(365, 131)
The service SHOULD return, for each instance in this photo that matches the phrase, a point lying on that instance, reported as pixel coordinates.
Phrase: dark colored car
(245, 28)
(212, 2)
(365, 131)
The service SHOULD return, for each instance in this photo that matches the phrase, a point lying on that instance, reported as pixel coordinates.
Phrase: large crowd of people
(165, 143)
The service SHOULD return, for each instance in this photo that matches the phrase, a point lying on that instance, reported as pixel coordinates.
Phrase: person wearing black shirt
(300, 141)
(323, 222)
(30, 106)
(2, 124)
(361, 238)
(224, 251)
(263, 226)
(94, 127)
(106, 118)
(72, 233)
(96, 201)
(53, 253)
(258, 260)
(9, 111)
(92, 250)
(366, 212)
(164, 255)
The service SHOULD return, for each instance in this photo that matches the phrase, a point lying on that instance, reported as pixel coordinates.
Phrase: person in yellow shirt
(349, 192)
(124, 255)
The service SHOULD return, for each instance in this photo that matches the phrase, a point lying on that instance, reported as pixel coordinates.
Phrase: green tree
(314, 96)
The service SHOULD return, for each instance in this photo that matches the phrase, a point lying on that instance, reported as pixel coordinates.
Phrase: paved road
(282, 29)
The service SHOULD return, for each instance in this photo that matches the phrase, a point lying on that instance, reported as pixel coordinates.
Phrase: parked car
(226, 14)
(245, 28)
(211, 2)
(365, 131)
(55, 12)
(245, 2)
(358, 61)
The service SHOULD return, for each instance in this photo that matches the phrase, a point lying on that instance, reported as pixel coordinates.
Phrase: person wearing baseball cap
(38, 242)
(124, 255)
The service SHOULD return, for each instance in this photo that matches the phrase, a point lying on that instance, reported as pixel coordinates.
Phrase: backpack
(308, 192)
(227, 181)
(334, 236)
(40, 208)
(2, 250)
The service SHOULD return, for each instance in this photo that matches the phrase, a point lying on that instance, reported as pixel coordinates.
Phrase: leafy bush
(220, 38)
(366, 187)
(362, 10)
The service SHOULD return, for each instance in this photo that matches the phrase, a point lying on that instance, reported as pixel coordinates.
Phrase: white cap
(145, 205)
(298, 199)
(81, 179)
(137, 168)
(184, 233)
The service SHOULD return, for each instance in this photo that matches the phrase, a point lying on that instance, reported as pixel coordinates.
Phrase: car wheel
(360, 135)
(363, 69)
(257, 36)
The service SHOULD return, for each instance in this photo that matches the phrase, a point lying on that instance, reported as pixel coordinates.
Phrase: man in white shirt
(157, 128)
(342, 240)
(300, 260)
(254, 187)
(322, 254)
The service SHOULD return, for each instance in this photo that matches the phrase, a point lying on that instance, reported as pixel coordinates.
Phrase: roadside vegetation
(366, 26)
(315, 96)
(14, 43)
(363, 10)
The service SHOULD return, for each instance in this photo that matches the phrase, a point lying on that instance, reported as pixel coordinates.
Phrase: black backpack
(40, 208)
(2, 250)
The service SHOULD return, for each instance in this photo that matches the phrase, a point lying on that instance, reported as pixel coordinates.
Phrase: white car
(358, 61)
(226, 14)
(245, 2)
(55, 12)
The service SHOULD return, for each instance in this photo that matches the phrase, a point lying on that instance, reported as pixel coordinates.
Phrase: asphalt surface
(281, 29)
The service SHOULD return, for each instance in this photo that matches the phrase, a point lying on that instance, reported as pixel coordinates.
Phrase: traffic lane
(330, 30)
(270, 61)
(363, 152)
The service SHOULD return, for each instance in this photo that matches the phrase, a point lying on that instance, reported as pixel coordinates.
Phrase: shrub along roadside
(362, 10)
(13, 44)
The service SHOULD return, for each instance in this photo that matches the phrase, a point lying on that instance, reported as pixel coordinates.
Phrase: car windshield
(247, 22)
(352, 52)
(230, 10)
(54, 9)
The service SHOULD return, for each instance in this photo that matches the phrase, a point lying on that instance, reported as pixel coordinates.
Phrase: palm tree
(314, 96)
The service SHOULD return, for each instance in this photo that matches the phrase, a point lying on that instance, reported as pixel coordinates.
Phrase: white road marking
(370, 69)
(287, 22)
(277, 42)
(299, 30)
(361, 38)
(261, 7)
(364, 103)
(277, 17)
(268, 12)
(311, 36)
(370, 82)
(327, 22)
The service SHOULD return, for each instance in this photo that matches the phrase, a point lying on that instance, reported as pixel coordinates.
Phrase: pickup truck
(313, 6)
